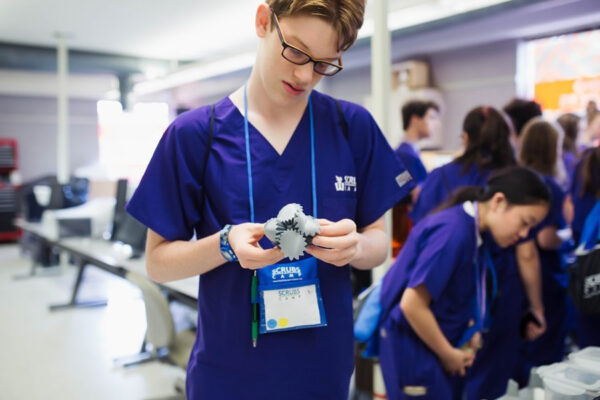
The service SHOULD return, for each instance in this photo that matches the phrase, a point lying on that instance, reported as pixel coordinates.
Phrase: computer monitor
(57, 197)
(120, 200)
(127, 229)
(133, 233)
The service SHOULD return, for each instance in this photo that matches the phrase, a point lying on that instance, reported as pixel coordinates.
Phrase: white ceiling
(173, 29)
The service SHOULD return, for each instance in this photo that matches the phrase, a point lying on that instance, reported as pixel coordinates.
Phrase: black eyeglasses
(298, 57)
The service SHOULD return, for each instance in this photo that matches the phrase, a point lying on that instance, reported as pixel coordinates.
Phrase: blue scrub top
(582, 204)
(176, 199)
(550, 260)
(411, 160)
(439, 253)
(570, 161)
(440, 184)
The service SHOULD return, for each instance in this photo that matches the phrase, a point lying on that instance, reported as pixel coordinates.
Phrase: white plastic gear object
(271, 230)
(292, 231)
(292, 244)
(289, 212)
(309, 226)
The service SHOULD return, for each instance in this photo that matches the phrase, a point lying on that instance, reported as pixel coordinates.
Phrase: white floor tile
(69, 354)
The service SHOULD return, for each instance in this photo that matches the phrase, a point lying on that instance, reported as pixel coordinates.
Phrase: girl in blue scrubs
(435, 289)
(539, 151)
(275, 141)
(488, 147)
(487, 135)
(585, 192)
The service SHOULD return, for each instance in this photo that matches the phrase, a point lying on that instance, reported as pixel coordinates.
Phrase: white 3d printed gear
(292, 231)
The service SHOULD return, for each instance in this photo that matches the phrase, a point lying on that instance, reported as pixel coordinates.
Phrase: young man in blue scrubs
(419, 119)
(275, 141)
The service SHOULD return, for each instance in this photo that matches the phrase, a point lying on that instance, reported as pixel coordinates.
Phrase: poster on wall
(566, 72)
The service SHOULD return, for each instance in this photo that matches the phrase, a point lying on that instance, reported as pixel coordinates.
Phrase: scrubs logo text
(345, 184)
(591, 286)
(286, 274)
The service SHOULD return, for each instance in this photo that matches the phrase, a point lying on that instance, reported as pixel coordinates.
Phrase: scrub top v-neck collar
(249, 158)
(299, 132)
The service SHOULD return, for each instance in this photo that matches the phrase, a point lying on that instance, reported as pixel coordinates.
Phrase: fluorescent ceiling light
(417, 13)
(407, 13)
(195, 72)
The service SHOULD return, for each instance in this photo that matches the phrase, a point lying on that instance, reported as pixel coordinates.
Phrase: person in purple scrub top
(419, 119)
(275, 141)
(539, 151)
(585, 192)
(433, 297)
(486, 137)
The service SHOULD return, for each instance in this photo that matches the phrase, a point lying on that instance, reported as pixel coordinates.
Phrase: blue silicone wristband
(226, 250)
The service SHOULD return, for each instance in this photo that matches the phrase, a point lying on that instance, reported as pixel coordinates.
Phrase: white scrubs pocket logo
(346, 183)
(591, 286)
(403, 178)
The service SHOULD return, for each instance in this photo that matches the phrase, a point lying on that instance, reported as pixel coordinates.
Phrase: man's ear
(262, 21)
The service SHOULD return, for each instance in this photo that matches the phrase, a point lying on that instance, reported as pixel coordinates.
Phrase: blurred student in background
(540, 149)
(433, 298)
(585, 192)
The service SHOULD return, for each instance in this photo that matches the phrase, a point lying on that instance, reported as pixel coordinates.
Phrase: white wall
(467, 78)
(33, 122)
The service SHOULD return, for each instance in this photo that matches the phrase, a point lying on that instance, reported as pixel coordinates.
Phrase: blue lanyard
(479, 300)
(479, 288)
(487, 321)
(483, 316)
(249, 161)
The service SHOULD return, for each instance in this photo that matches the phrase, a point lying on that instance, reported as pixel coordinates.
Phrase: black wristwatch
(226, 250)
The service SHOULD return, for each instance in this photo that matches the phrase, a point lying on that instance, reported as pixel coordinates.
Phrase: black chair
(127, 229)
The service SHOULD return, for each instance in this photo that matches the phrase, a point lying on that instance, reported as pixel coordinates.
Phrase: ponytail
(489, 140)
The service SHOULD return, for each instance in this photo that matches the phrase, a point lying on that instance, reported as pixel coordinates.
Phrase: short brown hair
(346, 16)
(539, 144)
(570, 124)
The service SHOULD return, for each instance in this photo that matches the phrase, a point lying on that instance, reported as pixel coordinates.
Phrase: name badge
(290, 297)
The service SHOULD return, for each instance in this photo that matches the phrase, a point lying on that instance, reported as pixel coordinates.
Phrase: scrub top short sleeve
(439, 248)
(555, 214)
(169, 197)
(554, 217)
(382, 179)
(410, 159)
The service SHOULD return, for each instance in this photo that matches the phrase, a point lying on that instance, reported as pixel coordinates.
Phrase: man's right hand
(244, 239)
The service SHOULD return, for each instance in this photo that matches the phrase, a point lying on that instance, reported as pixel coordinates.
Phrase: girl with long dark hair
(433, 296)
